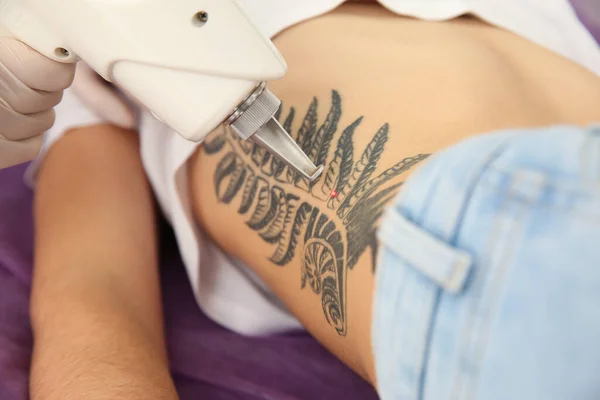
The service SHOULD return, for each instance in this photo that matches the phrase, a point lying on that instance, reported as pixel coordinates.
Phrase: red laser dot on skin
(333, 194)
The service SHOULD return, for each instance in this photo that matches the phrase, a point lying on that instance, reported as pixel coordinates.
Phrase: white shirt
(227, 291)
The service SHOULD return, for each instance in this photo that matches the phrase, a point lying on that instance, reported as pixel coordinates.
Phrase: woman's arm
(95, 309)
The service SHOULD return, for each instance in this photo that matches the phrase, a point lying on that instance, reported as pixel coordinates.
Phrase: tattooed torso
(328, 230)
(435, 84)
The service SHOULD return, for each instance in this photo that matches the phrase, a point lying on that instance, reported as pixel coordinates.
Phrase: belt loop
(446, 266)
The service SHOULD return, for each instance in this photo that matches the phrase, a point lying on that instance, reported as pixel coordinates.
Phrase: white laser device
(195, 64)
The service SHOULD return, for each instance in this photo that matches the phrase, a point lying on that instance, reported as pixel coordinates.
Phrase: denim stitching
(486, 295)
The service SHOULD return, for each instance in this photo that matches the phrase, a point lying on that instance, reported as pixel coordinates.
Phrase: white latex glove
(102, 98)
(30, 86)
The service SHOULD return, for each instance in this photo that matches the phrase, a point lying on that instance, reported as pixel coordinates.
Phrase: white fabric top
(549, 23)
(227, 291)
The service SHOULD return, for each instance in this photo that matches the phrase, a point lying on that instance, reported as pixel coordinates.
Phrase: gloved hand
(103, 98)
(30, 86)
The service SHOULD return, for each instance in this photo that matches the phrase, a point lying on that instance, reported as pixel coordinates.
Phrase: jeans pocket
(414, 268)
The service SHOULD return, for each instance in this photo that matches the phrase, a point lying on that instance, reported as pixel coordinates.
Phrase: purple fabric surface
(16, 249)
(588, 12)
(207, 361)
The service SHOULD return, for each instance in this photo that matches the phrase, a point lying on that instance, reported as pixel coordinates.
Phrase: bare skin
(420, 87)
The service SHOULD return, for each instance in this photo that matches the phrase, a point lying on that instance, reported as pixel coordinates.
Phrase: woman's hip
(488, 278)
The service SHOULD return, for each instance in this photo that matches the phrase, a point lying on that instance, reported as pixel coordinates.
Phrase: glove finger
(14, 153)
(102, 98)
(34, 69)
(22, 98)
(15, 126)
(33, 101)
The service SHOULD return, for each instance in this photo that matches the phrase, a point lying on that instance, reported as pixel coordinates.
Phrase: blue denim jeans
(488, 278)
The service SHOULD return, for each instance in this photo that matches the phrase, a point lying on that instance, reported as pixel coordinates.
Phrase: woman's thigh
(488, 281)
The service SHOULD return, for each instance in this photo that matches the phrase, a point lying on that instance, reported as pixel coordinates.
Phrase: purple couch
(208, 362)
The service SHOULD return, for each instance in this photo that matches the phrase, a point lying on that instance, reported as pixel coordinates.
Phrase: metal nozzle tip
(317, 174)
(254, 120)
(280, 144)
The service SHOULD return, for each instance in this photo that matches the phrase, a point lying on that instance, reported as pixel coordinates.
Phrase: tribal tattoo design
(329, 246)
